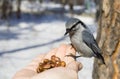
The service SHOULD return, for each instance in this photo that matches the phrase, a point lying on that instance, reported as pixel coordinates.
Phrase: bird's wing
(89, 40)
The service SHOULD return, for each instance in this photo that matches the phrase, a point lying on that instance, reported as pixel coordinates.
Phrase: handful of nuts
(52, 63)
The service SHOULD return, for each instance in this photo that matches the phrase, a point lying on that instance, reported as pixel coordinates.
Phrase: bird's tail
(99, 56)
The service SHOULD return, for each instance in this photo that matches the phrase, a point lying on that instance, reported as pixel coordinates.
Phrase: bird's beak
(67, 31)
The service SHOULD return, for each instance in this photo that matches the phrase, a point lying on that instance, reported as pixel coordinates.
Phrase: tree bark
(109, 41)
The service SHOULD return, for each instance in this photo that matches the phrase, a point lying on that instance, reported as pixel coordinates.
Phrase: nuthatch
(82, 39)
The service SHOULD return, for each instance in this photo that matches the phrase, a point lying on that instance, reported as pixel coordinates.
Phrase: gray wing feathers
(89, 40)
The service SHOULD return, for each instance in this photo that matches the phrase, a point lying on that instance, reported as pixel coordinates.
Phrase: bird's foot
(73, 56)
(72, 46)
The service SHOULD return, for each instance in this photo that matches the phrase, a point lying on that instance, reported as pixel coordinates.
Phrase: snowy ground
(32, 35)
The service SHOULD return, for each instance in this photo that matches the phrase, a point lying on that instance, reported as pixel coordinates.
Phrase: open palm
(68, 72)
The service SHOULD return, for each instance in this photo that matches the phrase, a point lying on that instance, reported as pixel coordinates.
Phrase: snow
(32, 35)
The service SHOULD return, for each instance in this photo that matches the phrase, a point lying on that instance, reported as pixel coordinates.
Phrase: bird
(82, 39)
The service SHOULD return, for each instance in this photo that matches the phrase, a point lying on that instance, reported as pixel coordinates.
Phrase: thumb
(74, 65)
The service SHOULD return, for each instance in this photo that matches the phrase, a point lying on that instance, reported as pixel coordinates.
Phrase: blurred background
(31, 27)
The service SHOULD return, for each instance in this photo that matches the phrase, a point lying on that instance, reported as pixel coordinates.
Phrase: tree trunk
(18, 13)
(109, 41)
(4, 9)
(71, 5)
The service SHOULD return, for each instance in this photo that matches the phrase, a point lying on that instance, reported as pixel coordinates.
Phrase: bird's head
(72, 25)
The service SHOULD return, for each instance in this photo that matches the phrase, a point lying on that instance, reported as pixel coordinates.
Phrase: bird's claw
(73, 56)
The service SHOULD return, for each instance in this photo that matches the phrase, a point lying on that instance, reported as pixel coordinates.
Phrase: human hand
(68, 72)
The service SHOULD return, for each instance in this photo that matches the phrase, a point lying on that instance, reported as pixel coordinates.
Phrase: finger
(34, 64)
(69, 50)
(61, 51)
(76, 66)
(24, 74)
(52, 52)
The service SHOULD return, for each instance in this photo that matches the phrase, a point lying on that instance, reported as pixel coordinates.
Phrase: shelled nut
(50, 63)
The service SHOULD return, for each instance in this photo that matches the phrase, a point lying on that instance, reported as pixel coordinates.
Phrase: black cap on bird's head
(72, 23)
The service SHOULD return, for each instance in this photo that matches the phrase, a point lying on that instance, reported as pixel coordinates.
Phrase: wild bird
(82, 39)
